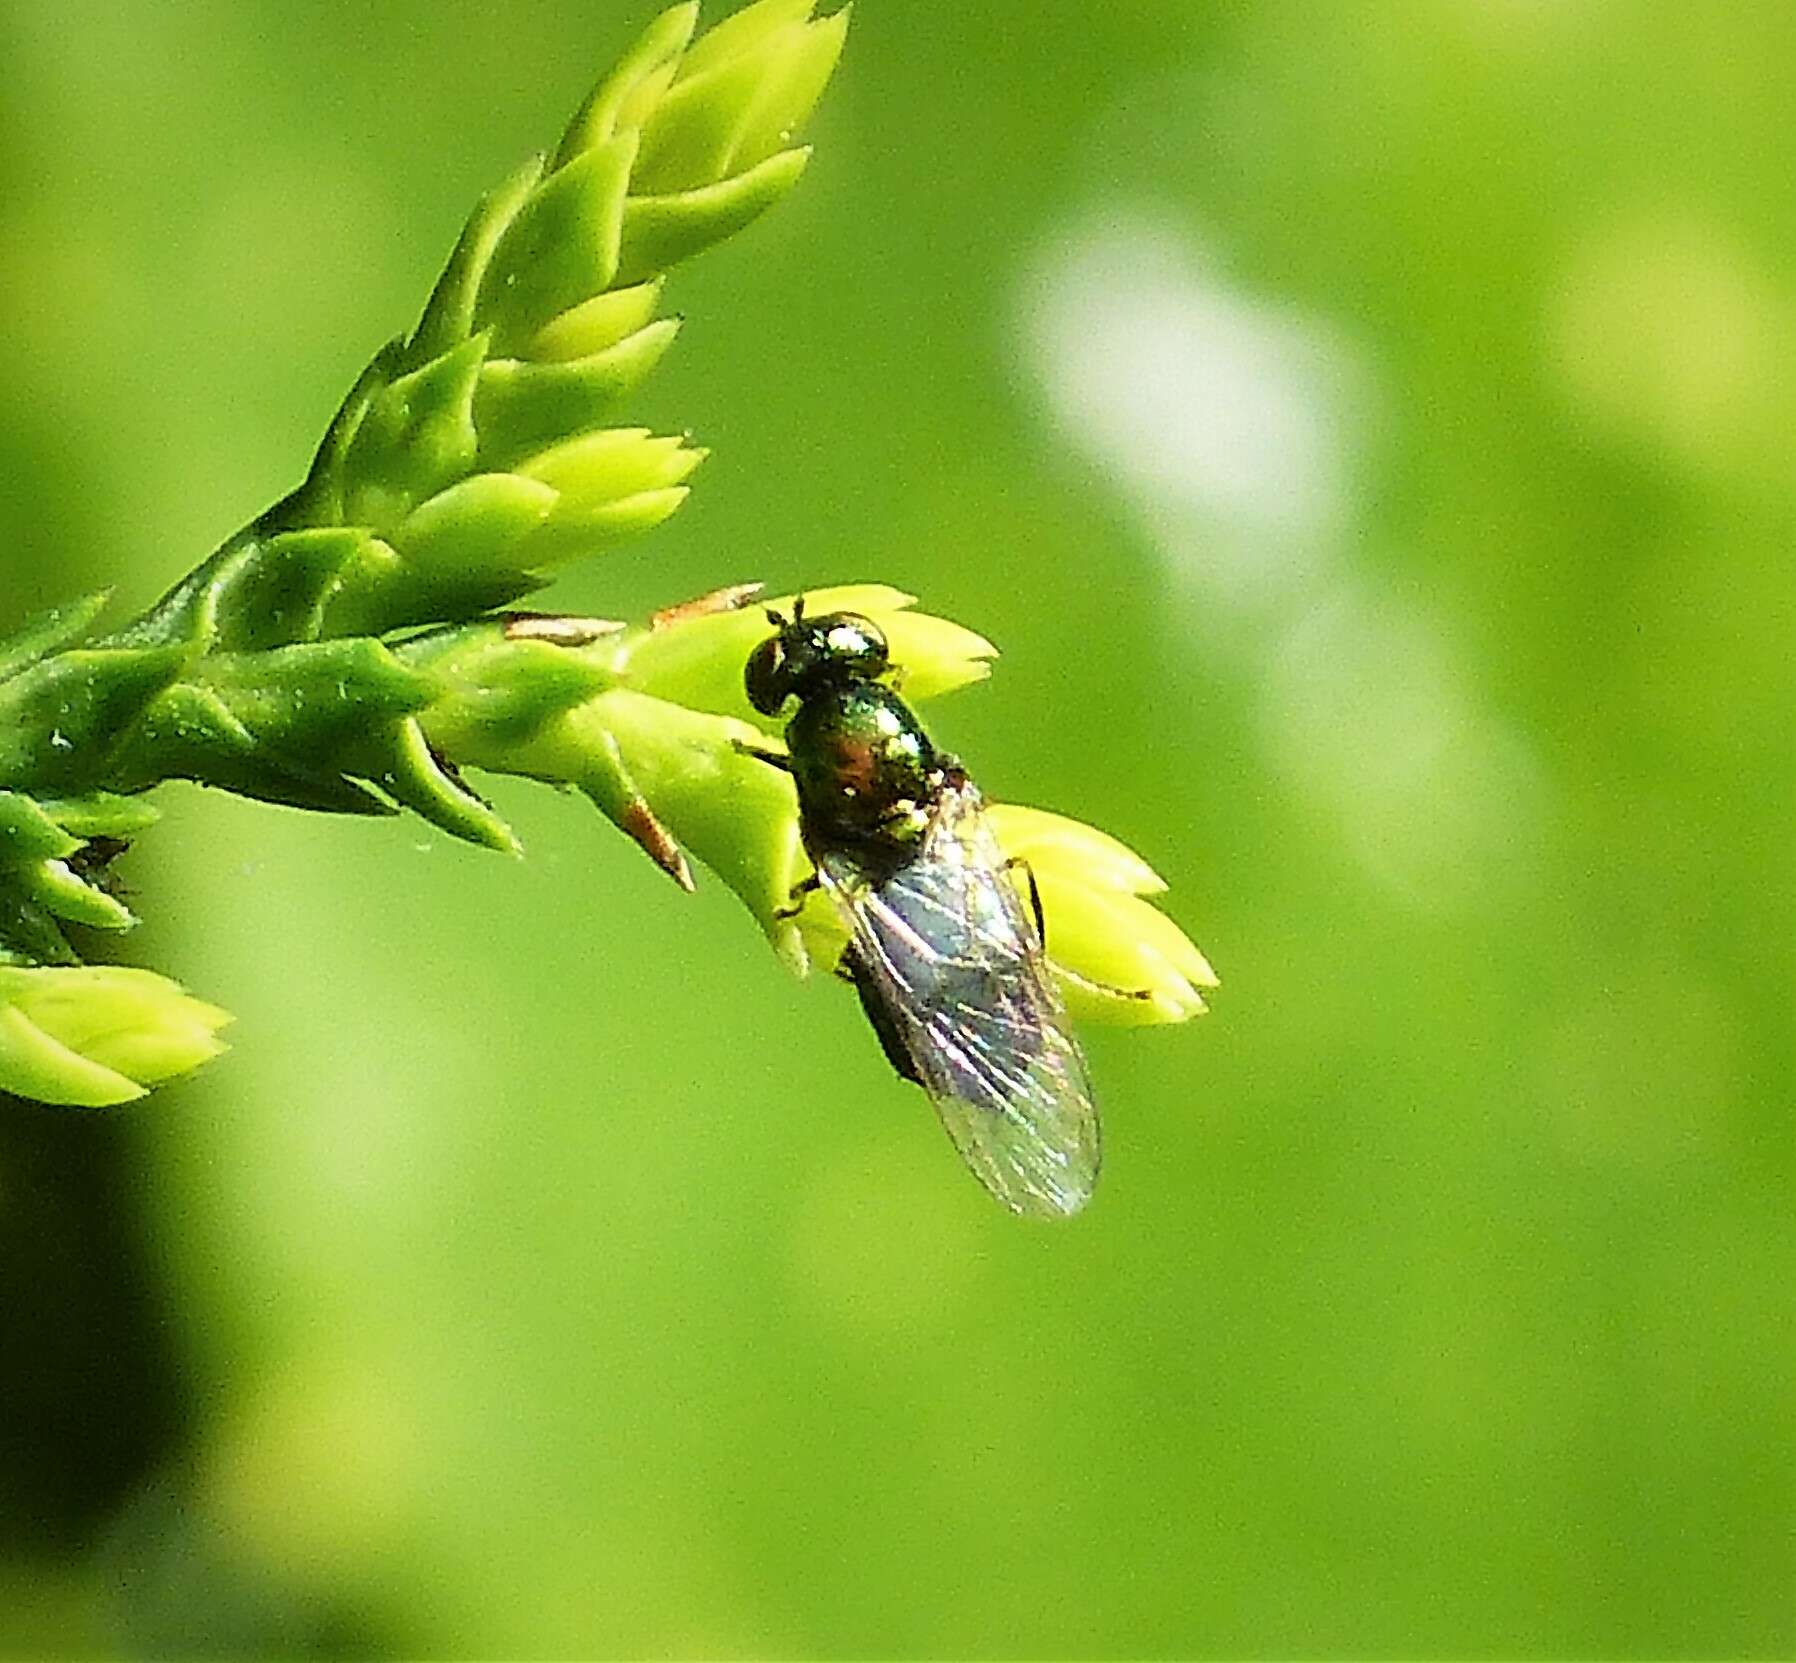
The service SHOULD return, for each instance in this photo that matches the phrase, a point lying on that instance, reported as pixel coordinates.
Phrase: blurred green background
(1366, 430)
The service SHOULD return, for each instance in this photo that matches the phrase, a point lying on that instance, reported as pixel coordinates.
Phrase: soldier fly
(950, 968)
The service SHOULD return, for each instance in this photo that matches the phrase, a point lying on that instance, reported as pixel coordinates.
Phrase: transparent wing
(944, 951)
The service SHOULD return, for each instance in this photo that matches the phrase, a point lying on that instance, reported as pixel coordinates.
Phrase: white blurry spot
(1235, 428)
(1229, 420)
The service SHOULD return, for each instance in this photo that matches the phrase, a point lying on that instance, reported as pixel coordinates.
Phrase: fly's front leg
(808, 886)
(773, 759)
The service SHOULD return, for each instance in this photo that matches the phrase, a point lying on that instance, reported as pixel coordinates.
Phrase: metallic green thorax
(866, 773)
(865, 770)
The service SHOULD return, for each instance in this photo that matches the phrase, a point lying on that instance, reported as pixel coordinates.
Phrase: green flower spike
(650, 722)
(344, 652)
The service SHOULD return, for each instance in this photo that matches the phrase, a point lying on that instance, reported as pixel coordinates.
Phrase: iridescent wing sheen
(944, 951)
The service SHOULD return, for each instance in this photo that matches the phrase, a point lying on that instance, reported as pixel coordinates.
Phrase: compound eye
(764, 678)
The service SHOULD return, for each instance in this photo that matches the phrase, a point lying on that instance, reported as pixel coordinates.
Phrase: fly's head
(805, 655)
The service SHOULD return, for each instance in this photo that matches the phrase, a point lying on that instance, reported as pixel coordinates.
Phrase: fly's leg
(795, 901)
(777, 759)
(773, 759)
(1108, 989)
(1041, 936)
(1041, 923)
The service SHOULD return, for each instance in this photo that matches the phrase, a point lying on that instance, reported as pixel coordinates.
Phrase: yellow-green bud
(95, 1035)
(739, 94)
(1119, 959)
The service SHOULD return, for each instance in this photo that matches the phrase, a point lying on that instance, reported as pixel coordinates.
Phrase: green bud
(283, 587)
(60, 890)
(29, 833)
(101, 814)
(61, 717)
(594, 325)
(604, 467)
(520, 406)
(661, 231)
(98, 1035)
(738, 97)
(471, 528)
(561, 247)
(449, 315)
(623, 98)
(608, 484)
(735, 37)
(416, 437)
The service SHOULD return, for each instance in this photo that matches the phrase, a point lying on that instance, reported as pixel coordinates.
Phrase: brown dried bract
(558, 629)
(729, 599)
(657, 843)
